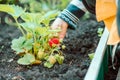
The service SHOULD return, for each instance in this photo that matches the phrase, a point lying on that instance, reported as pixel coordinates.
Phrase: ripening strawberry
(40, 54)
(53, 42)
(52, 59)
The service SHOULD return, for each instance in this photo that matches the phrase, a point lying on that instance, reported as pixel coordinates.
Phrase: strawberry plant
(38, 44)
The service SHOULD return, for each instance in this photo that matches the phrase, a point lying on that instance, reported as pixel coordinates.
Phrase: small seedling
(100, 32)
(91, 55)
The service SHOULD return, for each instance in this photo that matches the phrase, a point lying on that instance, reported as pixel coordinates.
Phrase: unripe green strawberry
(59, 58)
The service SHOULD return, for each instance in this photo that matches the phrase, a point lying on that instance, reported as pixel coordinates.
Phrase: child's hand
(62, 24)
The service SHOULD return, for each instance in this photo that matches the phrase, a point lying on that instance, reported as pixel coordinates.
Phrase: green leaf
(42, 30)
(27, 59)
(6, 8)
(28, 44)
(20, 44)
(48, 65)
(35, 6)
(17, 11)
(51, 14)
(45, 6)
(91, 56)
(32, 17)
(28, 26)
(13, 10)
(25, 1)
(17, 44)
(26, 17)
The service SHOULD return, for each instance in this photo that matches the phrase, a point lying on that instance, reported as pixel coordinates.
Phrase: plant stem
(19, 27)
(34, 36)
(55, 50)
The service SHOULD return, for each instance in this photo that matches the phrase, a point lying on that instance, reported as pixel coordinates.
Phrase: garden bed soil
(79, 43)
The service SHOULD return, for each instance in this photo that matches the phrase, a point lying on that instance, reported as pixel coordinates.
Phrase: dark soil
(79, 42)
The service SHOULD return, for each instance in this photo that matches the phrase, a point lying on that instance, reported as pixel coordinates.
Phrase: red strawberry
(54, 42)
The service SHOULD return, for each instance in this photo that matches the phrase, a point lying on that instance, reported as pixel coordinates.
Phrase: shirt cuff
(71, 15)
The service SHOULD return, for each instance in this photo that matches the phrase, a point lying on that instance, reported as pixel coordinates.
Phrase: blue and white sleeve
(73, 12)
